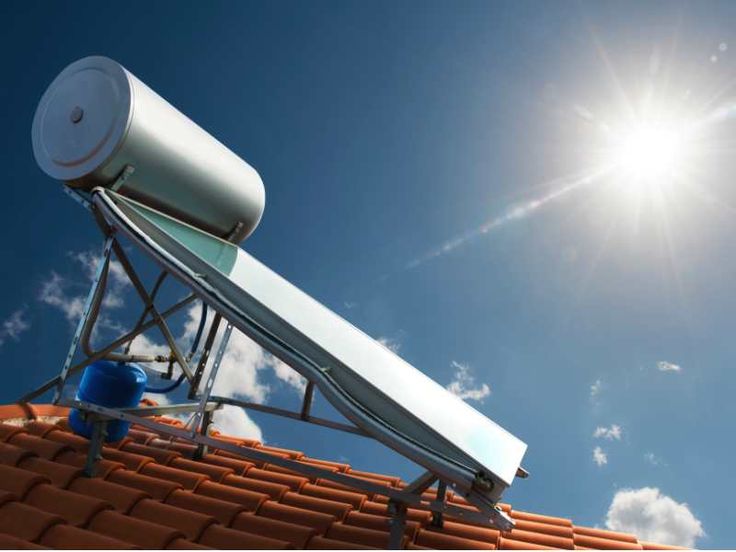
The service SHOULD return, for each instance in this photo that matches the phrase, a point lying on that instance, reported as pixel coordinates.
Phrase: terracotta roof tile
(157, 488)
(214, 472)
(192, 524)
(10, 455)
(76, 509)
(356, 499)
(360, 535)
(337, 509)
(163, 498)
(18, 481)
(441, 541)
(235, 440)
(322, 543)
(189, 480)
(379, 523)
(134, 531)
(252, 500)
(239, 467)
(26, 522)
(161, 456)
(48, 411)
(274, 490)
(298, 535)
(604, 544)
(184, 544)
(294, 514)
(220, 537)
(222, 510)
(59, 474)
(652, 546)
(68, 536)
(121, 497)
(9, 542)
(43, 447)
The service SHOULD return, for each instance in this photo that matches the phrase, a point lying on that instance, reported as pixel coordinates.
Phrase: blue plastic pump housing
(110, 384)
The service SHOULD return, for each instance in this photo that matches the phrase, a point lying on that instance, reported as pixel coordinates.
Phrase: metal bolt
(76, 114)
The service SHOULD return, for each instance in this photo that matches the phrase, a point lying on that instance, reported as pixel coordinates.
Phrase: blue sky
(389, 136)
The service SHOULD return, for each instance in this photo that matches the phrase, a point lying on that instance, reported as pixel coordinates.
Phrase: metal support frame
(197, 431)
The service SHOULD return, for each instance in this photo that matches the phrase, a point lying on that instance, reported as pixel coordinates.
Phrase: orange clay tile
(11, 411)
(131, 460)
(214, 472)
(222, 510)
(9, 542)
(318, 520)
(189, 480)
(340, 466)
(59, 474)
(161, 456)
(25, 522)
(49, 411)
(604, 534)
(604, 544)
(441, 541)
(121, 497)
(157, 488)
(526, 516)
(235, 440)
(102, 467)
(293, 454)
(379, 523)
(76, 509)
(412, 546)
(43, 447)
(68, 536)
(349, 497)
(511, 544)
(274, 490)
(39, 428)
(546, 528)
(141, 436)
(322, 543)
(360, 535)
(184, 544)
(294, 482)
(18, 481)
(8, 431)
(337, 509)
(134, 531)
(391, 480)
(239, 467)
(541, 539)
(78, 443)
(252, 500)
(297, 535)
(217, 536)
(485, 534)
(652, 546)
(10, 455)
(192, 524)
(413, 514)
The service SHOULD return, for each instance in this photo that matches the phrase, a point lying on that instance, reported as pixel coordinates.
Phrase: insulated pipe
(97, 121)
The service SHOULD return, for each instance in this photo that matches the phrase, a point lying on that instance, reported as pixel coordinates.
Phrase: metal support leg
(204, 357)
(397, 524)
(204, 430)
(99, 433)
(205, 397)
(307, 403)
(102, 267)
(437, 519)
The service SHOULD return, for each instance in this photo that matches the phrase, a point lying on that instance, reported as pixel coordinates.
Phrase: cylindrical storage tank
(110, 384)
(96, 119)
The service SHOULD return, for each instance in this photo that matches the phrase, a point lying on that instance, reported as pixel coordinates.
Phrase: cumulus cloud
(234, 421)
(600, 457)
(391, 343)
(595, 389)
(463, 384)
(13, 326)
(610, 433)
(664, 366)
(654, 517)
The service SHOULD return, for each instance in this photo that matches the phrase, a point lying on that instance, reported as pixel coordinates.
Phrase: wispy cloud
(391, 343)
(596, 388)
(463, 384)
(600, 458)
(13, 326)
(610, 433)
(664, 366)
(653, 516)
(653, 459)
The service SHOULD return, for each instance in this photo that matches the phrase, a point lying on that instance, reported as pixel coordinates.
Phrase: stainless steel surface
(96, 119)
(393, 401)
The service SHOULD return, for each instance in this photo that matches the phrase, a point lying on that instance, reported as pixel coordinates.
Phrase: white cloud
(54, 293)
(391, 343)
(664, 366)
(595, 389)
(234, 421)
(610, 433)
(654, 517)
(600, 457)
(463, 384)
(13, 326)
(653, 459)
